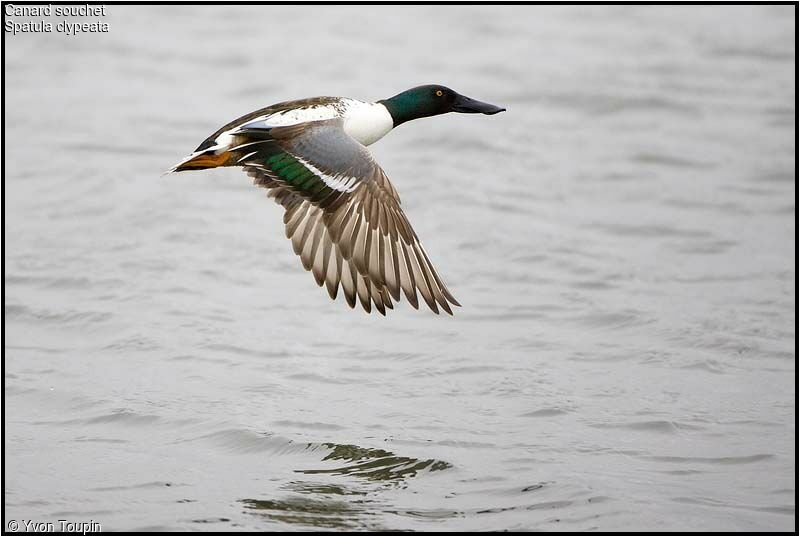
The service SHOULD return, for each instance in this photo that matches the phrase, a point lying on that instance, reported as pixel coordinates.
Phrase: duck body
(365, 122)
(342, 214)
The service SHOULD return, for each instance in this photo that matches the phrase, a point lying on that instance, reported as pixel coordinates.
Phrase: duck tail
(202, 160)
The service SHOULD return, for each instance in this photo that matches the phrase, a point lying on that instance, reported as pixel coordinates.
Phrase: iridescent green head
(432, 100)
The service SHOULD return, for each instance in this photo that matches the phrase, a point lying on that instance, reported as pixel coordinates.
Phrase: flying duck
(342, 213)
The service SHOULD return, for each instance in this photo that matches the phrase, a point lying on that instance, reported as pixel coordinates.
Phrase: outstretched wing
(342, 214)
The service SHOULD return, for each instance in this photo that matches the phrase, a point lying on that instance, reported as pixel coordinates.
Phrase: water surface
(621, 240)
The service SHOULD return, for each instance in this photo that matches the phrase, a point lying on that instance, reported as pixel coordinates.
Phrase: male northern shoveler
(342, 213)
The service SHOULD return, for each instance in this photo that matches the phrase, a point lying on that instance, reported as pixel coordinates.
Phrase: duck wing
(343, 214)
(287, 106)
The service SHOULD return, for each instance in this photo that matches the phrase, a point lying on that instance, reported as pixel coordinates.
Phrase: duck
(341, 212)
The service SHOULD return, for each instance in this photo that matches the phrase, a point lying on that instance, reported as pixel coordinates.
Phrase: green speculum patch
(294, 172)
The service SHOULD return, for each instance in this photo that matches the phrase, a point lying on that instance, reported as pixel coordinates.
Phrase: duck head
(432, 100)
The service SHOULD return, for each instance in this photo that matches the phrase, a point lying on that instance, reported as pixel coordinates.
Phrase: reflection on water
(319, 508)
(621, 240)
(308, 512)
(310, 487)
(376, 464)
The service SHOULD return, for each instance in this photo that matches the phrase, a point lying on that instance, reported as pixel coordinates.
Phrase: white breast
(367, 122)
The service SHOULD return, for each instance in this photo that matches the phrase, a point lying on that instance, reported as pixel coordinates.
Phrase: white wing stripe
(339, 182)
(247, 156)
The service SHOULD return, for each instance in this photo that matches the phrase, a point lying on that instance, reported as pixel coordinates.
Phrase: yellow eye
(439, 93)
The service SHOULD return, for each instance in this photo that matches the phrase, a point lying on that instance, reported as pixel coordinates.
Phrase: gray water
(622, 242)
